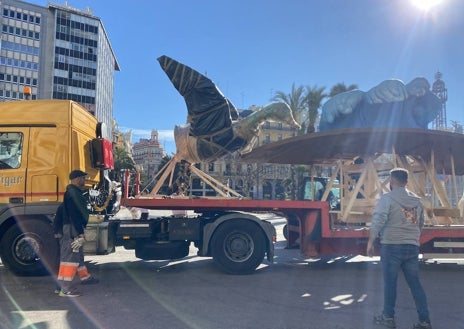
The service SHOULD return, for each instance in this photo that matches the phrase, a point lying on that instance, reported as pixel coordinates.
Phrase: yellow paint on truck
(54, 138)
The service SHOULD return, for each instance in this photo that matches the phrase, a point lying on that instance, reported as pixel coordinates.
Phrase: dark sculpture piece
(391, 104)
(213, 126)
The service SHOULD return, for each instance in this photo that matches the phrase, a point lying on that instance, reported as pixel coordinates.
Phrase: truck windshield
(10, 150)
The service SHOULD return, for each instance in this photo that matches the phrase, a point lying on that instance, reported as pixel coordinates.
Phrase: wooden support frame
(359, 195)
(168, 171)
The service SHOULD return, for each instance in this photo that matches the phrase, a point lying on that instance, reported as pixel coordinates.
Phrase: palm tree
(122, 160)
(341, 88)
(313, 99)
(295, 100)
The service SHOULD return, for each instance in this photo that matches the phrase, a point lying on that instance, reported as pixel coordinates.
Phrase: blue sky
(252, 48)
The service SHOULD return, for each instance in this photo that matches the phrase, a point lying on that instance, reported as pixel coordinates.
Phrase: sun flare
(426, 5)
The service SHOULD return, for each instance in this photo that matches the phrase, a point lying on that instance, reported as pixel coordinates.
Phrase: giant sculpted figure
(214, 127)
(390, 104)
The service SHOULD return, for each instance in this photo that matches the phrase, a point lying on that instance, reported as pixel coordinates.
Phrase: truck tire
(29, 248)
(238, 246)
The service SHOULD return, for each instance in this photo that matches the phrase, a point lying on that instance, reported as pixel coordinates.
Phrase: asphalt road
(192, 293)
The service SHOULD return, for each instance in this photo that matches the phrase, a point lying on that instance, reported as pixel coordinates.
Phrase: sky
(253, 48)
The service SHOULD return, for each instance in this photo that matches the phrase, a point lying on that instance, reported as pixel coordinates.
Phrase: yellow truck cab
(41, 141)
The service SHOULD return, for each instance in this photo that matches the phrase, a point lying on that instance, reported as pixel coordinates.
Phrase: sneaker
(69, 293)
(384, 321)
(422, 325)
(90, 280)
(57, 289)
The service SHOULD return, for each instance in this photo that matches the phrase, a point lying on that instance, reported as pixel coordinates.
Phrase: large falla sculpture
(214, 127)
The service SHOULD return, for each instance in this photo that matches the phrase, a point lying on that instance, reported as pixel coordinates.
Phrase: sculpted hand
(341, 104)
(387, 91)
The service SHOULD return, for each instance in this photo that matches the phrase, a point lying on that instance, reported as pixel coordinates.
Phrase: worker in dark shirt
(72, 240)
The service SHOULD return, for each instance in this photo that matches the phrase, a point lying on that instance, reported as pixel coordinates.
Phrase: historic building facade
(148, 154)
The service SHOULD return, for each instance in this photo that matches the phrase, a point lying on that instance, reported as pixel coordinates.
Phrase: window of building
(211, 166)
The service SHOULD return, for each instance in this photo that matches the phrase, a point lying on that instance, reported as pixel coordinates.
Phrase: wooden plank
(354, 195)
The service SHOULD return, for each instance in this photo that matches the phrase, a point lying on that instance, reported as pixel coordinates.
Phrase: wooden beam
(354, 195)
(169, 169)
(216, 185)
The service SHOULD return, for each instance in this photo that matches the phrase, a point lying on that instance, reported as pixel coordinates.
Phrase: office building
(59, 52)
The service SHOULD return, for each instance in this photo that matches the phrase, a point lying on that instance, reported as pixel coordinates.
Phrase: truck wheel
(238, 246)
(29, 248)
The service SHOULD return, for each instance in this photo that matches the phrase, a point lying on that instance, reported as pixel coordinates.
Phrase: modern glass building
(59, 52)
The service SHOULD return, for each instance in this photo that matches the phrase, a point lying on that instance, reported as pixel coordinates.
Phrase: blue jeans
(405, 257)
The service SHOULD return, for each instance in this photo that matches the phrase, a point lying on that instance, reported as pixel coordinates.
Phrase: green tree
(122, 160)
(341, 88)
(313, 101)
(296, 101)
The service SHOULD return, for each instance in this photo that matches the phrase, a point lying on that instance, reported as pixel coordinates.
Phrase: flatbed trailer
(310, 226)
(357, 162)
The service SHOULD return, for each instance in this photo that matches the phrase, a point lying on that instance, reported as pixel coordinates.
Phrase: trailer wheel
(29, 248)
(238, 246)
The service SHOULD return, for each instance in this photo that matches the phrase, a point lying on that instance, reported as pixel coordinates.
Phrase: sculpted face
(418, 87)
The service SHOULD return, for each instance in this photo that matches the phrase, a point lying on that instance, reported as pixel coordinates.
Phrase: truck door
(13, 165)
